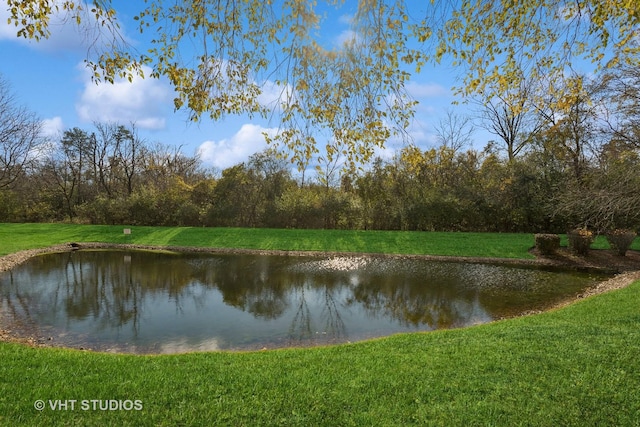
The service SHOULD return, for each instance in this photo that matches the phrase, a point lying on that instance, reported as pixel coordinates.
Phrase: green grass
(575, 366)
(14, 237)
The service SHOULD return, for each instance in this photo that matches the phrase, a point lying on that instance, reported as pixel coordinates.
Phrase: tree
(570, 129)
(509, 115)
(382, 197)
(161, 162)
(66, 167)
(20, 136)
(355, 93)
(128, 147)
(621, 96)
(102, 152)
(609, 199)
(454, 131)
(248, 194)
(235, 48)
(234, 198)
(301, 207)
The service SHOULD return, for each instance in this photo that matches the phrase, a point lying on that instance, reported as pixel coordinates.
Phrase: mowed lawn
(575, 366)
(14, 237)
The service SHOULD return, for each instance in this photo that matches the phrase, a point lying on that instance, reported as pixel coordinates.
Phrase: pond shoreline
(564, 260)
(627, 269)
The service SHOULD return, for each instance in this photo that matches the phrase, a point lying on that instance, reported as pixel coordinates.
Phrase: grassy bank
(574, 366)
(14, 237)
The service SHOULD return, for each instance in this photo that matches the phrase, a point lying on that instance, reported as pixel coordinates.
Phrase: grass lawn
(14, 237)
(575, 366)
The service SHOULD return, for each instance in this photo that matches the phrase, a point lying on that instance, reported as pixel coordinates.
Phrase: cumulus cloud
(52, 128)
(143, 101)
(274, 95)
(51, 131)
(237, 149)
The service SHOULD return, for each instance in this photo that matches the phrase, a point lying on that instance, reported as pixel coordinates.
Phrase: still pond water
(158, 302)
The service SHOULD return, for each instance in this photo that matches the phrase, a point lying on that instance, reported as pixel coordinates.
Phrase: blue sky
(50, 79)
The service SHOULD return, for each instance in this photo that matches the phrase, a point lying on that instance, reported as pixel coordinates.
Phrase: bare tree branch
(20, 136)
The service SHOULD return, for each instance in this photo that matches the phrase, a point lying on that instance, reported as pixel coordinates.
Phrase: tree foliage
(497, 41)
(220, 55)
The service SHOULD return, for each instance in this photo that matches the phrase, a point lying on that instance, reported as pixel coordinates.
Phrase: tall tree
(509, 115)
(20, 136)
(621, 102)
(454, 131)
(127, 151)
(570, 124)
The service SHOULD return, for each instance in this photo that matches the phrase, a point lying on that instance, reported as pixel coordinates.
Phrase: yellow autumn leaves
(216, 54)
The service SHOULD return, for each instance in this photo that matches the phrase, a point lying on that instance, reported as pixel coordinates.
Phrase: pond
(166, 302)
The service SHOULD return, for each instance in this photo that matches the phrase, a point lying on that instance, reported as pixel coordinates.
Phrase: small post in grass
(127, 232)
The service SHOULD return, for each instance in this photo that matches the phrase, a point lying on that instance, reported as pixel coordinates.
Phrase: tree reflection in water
(334, 325)
(300, 329)
(151, 301)
(330, 326)
(431, 298)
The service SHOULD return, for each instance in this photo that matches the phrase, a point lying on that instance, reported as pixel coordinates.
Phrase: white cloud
(52, 128)
(229, 152)
(143, 101)
(274, 95)
(51, 131)
(419, 133)
(386, 153)
(346, 37)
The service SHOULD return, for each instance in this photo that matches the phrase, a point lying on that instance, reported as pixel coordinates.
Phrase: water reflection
(173, 302)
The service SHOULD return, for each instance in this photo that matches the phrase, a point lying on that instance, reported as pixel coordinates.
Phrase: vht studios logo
(88, 405)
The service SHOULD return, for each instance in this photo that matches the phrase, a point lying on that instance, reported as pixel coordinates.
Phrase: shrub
(547, 244)
(580, 240)
(620, 240)
(103, 210)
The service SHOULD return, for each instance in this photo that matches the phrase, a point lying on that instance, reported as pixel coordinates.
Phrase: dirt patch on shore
(626, 269)
(597, 259)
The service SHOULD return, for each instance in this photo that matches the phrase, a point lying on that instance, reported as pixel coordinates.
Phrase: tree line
(548, 170)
